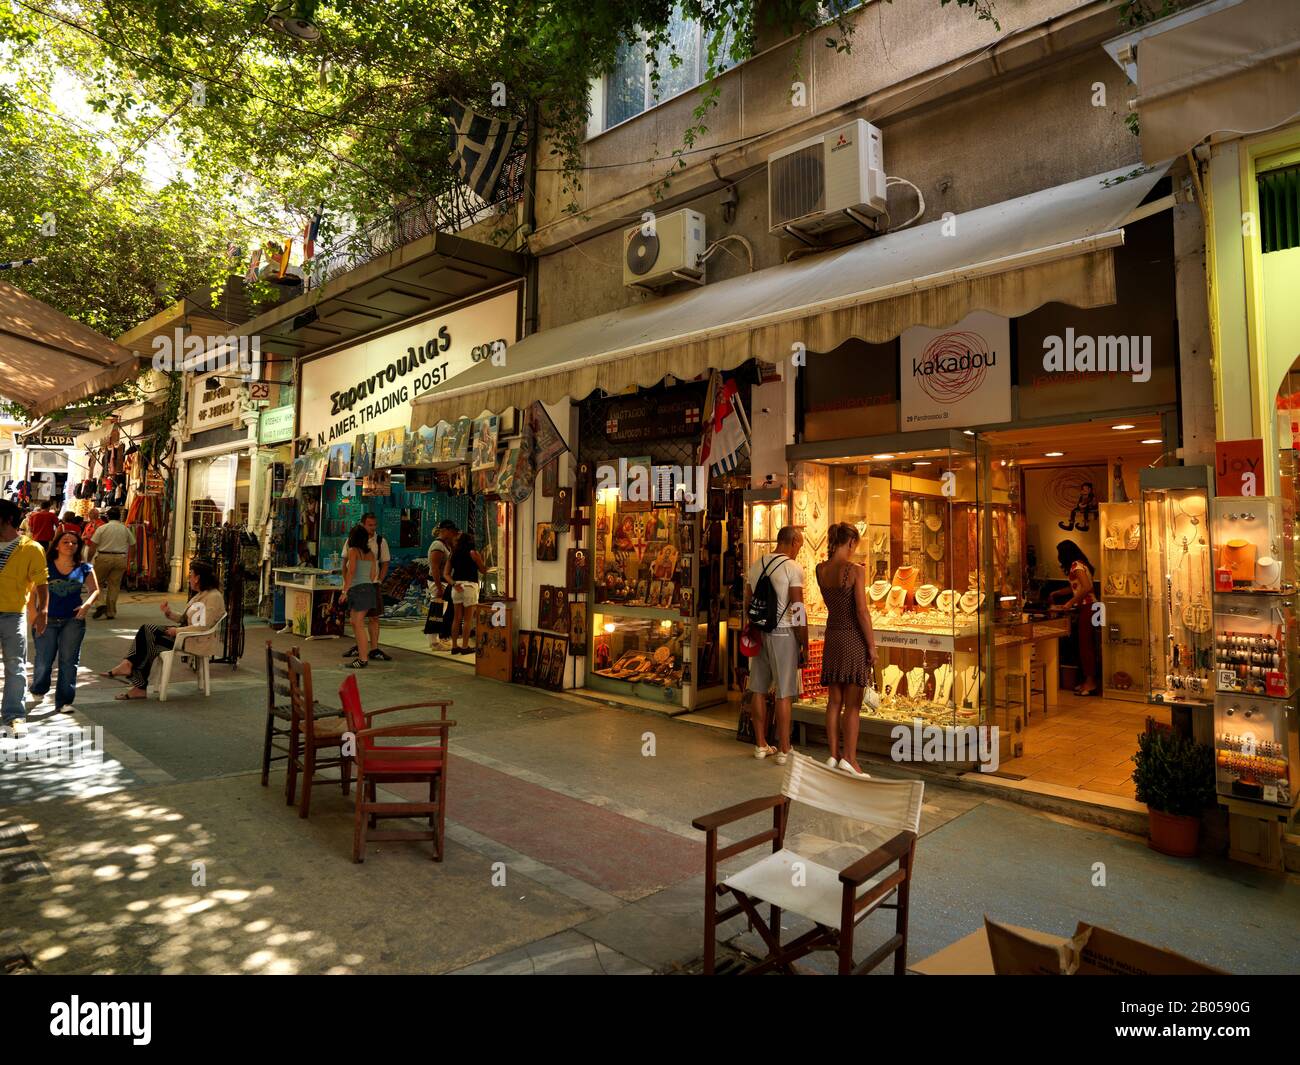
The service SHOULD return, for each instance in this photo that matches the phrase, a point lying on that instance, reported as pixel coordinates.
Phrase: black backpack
(763, 613)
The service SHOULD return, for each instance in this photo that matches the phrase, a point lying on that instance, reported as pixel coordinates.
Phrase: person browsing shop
(361, 590)
(444, 538)
(463, 568)
(22, 571)
(850, 647)
(379, 549)
(73, 588)
(1078, 600)
(784, 648)
(107, 551)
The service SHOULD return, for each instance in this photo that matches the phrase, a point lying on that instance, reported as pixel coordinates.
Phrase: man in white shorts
(776, 667)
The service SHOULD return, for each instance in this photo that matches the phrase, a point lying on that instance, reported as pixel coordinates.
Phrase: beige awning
(1227, 66)
(48, 361)
(1008, 258)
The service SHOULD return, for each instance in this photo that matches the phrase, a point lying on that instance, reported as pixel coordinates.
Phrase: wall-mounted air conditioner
(828, 181)
(664, 250)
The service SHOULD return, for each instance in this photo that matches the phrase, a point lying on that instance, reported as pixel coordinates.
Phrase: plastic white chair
(835, 900)
(197, 662)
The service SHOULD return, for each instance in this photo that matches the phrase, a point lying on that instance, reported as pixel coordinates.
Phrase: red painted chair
(396, 763)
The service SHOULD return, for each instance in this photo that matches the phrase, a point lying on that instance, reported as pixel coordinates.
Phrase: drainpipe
(531, 309)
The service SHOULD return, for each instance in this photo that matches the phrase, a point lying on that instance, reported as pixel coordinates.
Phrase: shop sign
(1238, 467)
(655, 416)
(914, 641)
(216, 406)
(957, 377)
(276, 425)
(370, 386)
(51, 440)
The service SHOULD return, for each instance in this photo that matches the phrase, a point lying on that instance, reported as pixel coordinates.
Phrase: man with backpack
(775, 616)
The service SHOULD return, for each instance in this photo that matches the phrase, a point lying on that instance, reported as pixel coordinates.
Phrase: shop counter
(310, 595)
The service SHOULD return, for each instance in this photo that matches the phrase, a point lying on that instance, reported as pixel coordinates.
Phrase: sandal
(125, 678)
(126, 696)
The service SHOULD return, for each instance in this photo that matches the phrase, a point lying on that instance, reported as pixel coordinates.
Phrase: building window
(1279, 208)
(629, 88)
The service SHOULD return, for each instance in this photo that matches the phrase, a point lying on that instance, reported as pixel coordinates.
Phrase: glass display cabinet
(1254, 645)
(1124, 644)
(1178, 582)
(1250, 552)
(646, 640)
(924, 520)
(1255, 749)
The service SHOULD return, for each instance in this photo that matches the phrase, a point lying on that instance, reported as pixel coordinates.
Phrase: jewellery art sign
(1238, 467)
(956, 377)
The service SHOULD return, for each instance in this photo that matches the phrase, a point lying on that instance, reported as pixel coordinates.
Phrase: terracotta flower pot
(1174, 834)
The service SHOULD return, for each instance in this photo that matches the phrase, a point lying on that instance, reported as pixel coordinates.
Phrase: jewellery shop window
(1179, 583)
(647, 641)
(920, 518)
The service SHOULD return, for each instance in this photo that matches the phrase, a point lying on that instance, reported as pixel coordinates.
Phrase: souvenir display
(641, 653)
(1255, 749)
(547, 542)
(493, 629)
(340, 461)
(562, 507)
(389, 447)
(1251, 554)
(577, 570)
(1123, 651)
(1254, 645)
(578, 629)
(1178, 567)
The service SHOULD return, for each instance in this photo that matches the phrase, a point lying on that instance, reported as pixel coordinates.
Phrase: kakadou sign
(370, 385)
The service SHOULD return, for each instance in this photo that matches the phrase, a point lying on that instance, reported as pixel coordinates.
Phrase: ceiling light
(969, 432)
(1153, 440)
(1124, 425)
(918, 463)
(883, 456)
(1053, 454)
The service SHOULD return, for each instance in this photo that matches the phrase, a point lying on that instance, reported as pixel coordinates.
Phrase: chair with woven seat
(308, 736)
(384, 764)
(279, 715)
(835, 900)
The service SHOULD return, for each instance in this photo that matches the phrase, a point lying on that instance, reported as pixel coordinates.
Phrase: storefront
(359, 454)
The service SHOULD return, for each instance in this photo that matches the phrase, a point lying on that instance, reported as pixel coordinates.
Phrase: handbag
(433, 620)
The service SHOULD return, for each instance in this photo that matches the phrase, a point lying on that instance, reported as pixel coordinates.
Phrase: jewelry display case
(1124, 643)
(1255, 749)
(922, 518)
(1251, 554)
(1178, 581)
(1254, 644)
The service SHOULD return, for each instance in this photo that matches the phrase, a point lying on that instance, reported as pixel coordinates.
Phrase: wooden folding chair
(309, 735)
(278, 713)
(835, 901)
(384, 764)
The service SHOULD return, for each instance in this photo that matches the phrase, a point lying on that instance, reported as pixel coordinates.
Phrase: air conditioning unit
(668, 249)
(828, 181)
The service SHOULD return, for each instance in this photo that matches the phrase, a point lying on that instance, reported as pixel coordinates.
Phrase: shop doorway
(1085, 698)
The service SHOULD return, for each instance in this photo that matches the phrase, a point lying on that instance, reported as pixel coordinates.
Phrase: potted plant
(1174, 776)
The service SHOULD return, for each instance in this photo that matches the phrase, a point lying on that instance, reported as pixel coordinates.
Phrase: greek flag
(481, 146)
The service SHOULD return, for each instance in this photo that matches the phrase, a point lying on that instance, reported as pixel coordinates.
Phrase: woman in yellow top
(22, 569)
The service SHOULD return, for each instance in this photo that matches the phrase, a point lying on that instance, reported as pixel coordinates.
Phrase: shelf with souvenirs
(1178, 584)
(918, 515)
(1255, 749)
(1124, 655)
(1251, 552)
(652, 566)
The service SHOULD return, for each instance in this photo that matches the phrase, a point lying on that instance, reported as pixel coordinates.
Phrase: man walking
(776, 667)
(379, 546)
(108, 549)
(22, 568)
(41, 524)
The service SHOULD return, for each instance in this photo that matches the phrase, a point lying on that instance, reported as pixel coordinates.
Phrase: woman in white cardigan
(205, 608)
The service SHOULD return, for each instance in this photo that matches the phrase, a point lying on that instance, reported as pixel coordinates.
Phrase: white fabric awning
(1008, 258)
(1227, 66)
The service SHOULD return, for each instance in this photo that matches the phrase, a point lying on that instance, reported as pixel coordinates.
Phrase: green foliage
(1173, 774)
(1135, 13)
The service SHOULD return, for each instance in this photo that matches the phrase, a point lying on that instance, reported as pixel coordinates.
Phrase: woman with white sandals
(850, 648)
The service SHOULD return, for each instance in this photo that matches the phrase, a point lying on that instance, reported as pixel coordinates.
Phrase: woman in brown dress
(850, 649)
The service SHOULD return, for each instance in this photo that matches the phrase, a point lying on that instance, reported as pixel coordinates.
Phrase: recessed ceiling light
(969, 432)
(883, 456)
(1153, 440)
(921, 463)
(1053, 454)
(1124, 425)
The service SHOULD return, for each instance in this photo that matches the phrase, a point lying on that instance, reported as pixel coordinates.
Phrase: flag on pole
(480, 147)
(250, 275)
(724, 431)
(309, 232)
(20, 262)
(284, 256)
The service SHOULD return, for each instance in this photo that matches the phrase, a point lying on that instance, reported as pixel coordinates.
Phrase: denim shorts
(363, 598)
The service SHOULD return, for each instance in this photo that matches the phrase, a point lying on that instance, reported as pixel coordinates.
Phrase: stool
(1037, 686)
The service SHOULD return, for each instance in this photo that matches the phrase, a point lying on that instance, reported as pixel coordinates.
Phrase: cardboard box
(1008, 950)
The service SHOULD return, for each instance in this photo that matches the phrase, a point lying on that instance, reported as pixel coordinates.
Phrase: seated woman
(201, 612)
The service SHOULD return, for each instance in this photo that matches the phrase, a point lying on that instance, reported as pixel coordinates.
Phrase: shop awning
(1008, 258)
(1227, 66)
(48, 361)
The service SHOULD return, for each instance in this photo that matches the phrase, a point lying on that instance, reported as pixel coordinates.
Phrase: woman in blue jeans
(70, 580)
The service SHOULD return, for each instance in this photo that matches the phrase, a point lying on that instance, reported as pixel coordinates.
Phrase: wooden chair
(384, 764)
(308, 736)
(199, 663)
(835, 901)
(278, 713)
